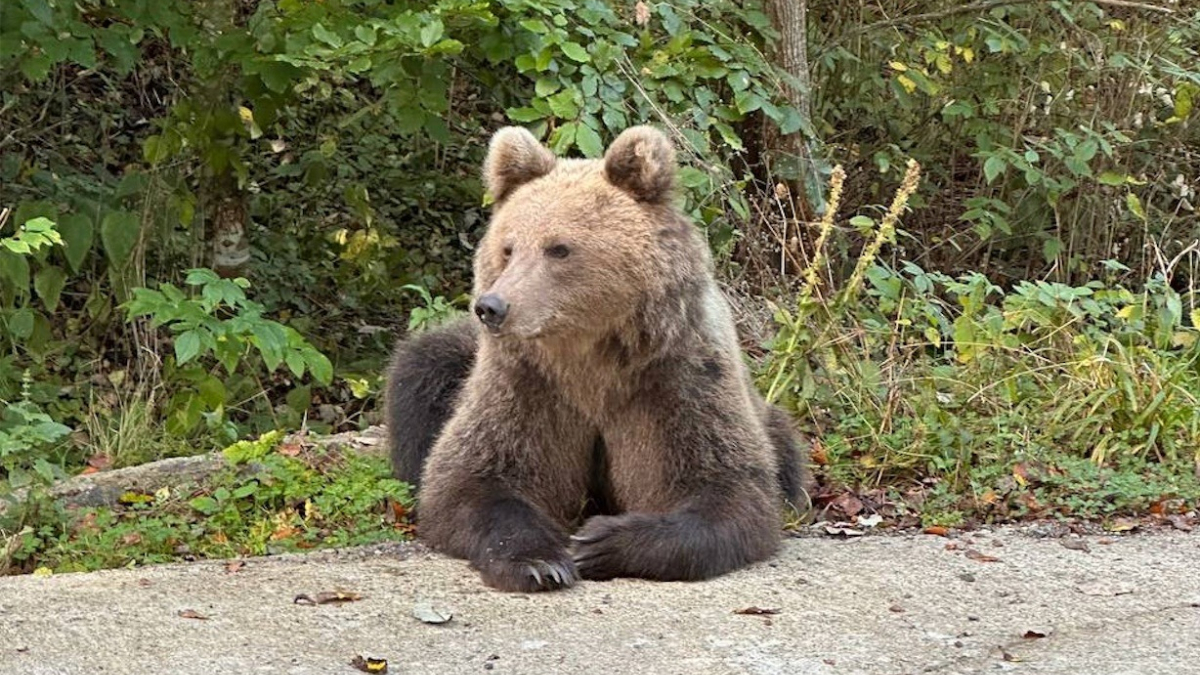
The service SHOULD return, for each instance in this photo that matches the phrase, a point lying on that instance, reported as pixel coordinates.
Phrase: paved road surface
(879, 605)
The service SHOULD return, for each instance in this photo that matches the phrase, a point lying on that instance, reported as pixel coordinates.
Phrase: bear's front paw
(530, 575)
(605, 547)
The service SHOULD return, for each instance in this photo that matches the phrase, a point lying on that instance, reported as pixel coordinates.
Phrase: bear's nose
(491, 310)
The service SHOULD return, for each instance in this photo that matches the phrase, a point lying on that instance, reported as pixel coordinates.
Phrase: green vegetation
(957, 380)
(272, 498)
(215, 216)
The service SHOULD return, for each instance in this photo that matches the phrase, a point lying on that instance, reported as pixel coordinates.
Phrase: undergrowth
(273, 497)
(943, 390)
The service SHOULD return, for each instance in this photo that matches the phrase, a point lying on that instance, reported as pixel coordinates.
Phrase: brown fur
(616, 373)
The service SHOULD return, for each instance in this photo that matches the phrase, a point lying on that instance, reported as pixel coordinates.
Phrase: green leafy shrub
(435, 309)
(220, 325)
(1057, 133)
(274, 497)
(25, 327)
(26, 436)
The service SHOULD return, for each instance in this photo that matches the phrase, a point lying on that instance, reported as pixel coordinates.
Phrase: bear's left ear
(514, 158)
(642, 162)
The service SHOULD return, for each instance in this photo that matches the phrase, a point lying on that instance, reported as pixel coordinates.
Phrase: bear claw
(550, 575)
(527, 576)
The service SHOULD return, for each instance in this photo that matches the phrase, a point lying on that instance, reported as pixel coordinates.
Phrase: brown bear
(602, 383)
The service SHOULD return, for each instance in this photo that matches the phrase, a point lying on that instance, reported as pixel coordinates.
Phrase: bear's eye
(507, 251)
(558, 251)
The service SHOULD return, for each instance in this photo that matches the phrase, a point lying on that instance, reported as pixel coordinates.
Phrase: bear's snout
(491, 310)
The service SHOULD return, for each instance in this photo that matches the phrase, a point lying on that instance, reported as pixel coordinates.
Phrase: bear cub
(594, 418)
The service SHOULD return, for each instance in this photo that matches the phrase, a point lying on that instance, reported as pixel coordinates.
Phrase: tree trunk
(226, 210)
(791, 155)
(228, 241)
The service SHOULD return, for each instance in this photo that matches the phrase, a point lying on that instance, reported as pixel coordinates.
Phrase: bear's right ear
(514, 158)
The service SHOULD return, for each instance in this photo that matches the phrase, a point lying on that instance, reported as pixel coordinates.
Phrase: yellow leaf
(942, 45)
(1135, 205)
(968, 54)
(907, 83)
(43, 572)
(1116, 24)
(246, 114)
(1185, 339)
(1126, 312)
(943, 64)
(1195, 316)
(897, 66)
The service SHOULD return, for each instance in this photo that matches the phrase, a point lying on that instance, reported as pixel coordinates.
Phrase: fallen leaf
(428, 613)
(327, 597)
(394, 512)
(757, 610)
(89, 470)
(100, 462)
(843, 529)
(848, 504)
(289, 449)
(234, 565)
(130, 498)
(817, 454)
(870, 521)
(896, 608)
(1106, 541)
(1180, 523)
(1121, 525)
(1075, 545)
(369, 664)
(191, 614)
(1007, 656)
(1104, 588)
(1020, 472)
(937, 530)
(132, 539)
(980, 557)
(1035, 633)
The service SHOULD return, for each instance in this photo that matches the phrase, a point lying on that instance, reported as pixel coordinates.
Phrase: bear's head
(576, 248)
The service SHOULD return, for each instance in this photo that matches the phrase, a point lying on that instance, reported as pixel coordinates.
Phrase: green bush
(916, 376)
(273, 497)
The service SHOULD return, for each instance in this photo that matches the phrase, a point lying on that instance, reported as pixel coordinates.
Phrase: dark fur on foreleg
(519, 549)
(427, 372)
(715, 533)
